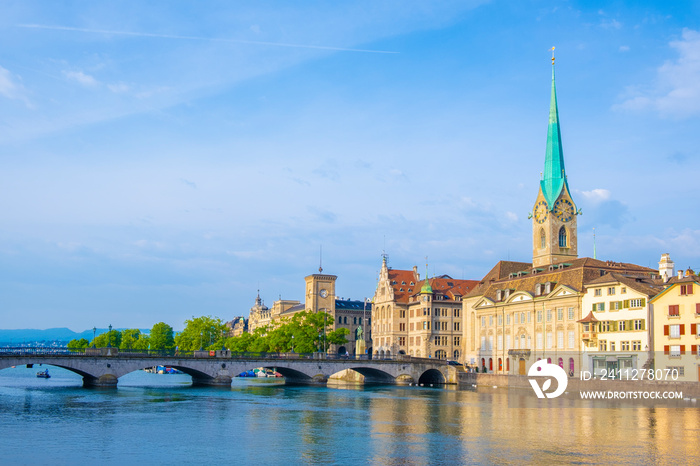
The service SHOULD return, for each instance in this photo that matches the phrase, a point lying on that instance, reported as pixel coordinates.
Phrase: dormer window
(538, 289)
(548, 287)
(507, 293)
(499, 295)
(403, 282)
(412, 283)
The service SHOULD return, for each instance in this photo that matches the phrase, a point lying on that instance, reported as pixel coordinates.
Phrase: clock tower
(554, 236)
(320, 292)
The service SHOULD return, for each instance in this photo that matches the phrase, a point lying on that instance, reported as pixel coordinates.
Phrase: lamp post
(292, 343)
(109, 337)
(319, 341)
(94, 330)
(201, 336)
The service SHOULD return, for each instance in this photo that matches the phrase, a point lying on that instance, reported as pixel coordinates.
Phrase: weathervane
(552, 49)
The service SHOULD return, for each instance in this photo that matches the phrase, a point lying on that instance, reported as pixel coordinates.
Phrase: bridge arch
(432, 377)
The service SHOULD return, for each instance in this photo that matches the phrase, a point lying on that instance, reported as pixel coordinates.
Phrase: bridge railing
(198, 354)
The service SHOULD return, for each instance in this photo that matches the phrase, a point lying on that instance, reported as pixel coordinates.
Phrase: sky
(164, 160)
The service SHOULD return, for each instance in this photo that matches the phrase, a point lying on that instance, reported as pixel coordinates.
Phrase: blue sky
(163, 160)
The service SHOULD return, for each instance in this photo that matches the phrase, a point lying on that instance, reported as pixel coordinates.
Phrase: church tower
(554, 236)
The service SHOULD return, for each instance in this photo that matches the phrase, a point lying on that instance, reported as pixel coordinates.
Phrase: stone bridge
(104, 370)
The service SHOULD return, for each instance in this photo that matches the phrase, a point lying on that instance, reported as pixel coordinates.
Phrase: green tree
(76, 345)
(162, 337)
(201, 332)
(130, 337)
(113, 338)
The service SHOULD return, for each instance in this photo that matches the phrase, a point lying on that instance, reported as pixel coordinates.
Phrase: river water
(162, 419)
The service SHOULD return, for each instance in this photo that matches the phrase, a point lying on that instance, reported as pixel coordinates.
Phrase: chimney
(415, 273)
(666, 267)
(680, 274)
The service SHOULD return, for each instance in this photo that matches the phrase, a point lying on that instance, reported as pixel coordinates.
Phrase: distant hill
(51, 334)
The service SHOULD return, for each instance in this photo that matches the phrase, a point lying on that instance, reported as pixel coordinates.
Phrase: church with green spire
(554, 234)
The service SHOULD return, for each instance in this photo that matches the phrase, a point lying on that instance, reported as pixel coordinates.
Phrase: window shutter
(667, 349)
(693, 349)
(690, 288)
(630, 325)
(666, 330)
(682, 329)
(613, 326)
(697, 308)
(693, 328)
(682, 349)
(626, 303)
(644, 324)
(644, 302)
(594, 307)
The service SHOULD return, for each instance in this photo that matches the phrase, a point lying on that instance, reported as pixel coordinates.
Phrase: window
(522, 341)
(539, 316)
(623, 290)
(637, 302)
(529, 317)
(549, 340)
(507, 342)
(687, 289)
(543, 239)
(500, 319)
(612, 346)
(571, 339)
(611, 291)
(456, 326)
(621, 325)
(673, 310)
(562, 238)
(411, 326)
(598, 307)
(680, 369)
(402, 341)
(402, 327)
(560, 314)
(636, 346)
(603, 345)
(674, 331)
(538, 340)
(675, 350)
(522, 318)
(483, 321)
(499, 342)
(639, 324)
(549, 315)
(560, 339)
(598, 292)
(490, 342)
(456, 341)
(437, 341)
(571, 313)
(697, 308)
(483, 343)
(615, 305)
(605, 326)
(508, 319)
(624, 345)
(457, 312)
(490, 321)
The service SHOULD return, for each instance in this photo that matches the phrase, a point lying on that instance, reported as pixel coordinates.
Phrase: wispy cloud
(677, 89)
(9, 87)
(81, 78)
(596, 195)
(197, 38)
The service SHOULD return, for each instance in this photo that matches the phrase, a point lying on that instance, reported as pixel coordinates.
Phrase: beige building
(676, 312)
(523, 312)
(421, 318)
(616, 330)
(320, 296)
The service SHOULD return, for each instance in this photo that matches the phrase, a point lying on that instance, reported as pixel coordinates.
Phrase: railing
(201, 354)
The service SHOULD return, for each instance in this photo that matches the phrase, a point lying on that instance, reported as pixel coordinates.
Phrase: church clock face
(563, 210)
(540, 212)
(323, 293)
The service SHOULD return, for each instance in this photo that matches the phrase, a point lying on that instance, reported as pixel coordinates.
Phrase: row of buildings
(580, 313)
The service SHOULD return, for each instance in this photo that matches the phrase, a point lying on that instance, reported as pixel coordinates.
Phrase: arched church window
(562, 237)
(543, 239)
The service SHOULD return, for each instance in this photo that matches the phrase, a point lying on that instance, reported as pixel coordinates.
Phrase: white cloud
(596, 195)
(511, 216)
(9, 87)
(81, 78)
(610, 24)
(677, 91)
(624, 48)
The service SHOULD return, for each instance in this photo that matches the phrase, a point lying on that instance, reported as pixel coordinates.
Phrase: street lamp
(201, 335)
(292, 343)
(109, 337)
(319, 341)
(94, 330)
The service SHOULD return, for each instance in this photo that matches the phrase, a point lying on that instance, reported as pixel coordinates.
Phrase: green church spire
(426, 288)
(554, 176)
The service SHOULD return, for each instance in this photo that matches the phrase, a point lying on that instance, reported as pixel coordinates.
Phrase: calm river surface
(161, 419)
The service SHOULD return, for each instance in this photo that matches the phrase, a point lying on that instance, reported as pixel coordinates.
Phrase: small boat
(43, 374)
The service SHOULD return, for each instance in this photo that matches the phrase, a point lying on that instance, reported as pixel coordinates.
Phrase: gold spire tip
(552, 50)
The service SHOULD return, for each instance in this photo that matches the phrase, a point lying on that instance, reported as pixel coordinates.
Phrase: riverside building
(523, 312)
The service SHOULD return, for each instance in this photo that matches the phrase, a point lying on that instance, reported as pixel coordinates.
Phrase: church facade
(524, 312)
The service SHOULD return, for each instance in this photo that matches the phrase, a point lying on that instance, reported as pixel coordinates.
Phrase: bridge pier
(218, 381)
(103, 381)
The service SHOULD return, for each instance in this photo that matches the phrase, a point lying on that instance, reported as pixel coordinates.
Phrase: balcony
(589, 336)
(519, 353)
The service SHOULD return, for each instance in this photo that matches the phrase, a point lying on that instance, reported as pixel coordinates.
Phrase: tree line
(304, 332)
